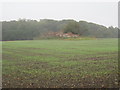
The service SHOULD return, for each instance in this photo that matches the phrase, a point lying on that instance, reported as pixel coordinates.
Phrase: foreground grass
(60, 63)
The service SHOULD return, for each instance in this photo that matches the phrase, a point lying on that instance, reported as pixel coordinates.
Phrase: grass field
(60, 63)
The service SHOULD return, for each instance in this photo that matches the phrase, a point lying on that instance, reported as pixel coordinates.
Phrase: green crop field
(60, 63)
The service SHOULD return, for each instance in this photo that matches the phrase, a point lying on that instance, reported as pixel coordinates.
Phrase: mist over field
(59, 54)
(60, 45)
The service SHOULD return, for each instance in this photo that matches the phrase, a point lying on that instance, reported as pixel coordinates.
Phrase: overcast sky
(104, 13)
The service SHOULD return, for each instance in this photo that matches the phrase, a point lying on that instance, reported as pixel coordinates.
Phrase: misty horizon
(55, 20)
(103, 13)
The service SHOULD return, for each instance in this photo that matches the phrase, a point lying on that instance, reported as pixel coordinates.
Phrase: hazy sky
(104, 13)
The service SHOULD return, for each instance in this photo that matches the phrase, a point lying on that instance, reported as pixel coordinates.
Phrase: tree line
(29, 29)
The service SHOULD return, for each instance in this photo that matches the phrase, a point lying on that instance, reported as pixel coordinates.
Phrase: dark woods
(30, 29)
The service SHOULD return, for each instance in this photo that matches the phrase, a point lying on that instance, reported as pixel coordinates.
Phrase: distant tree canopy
(72, 27)
(29, 29)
